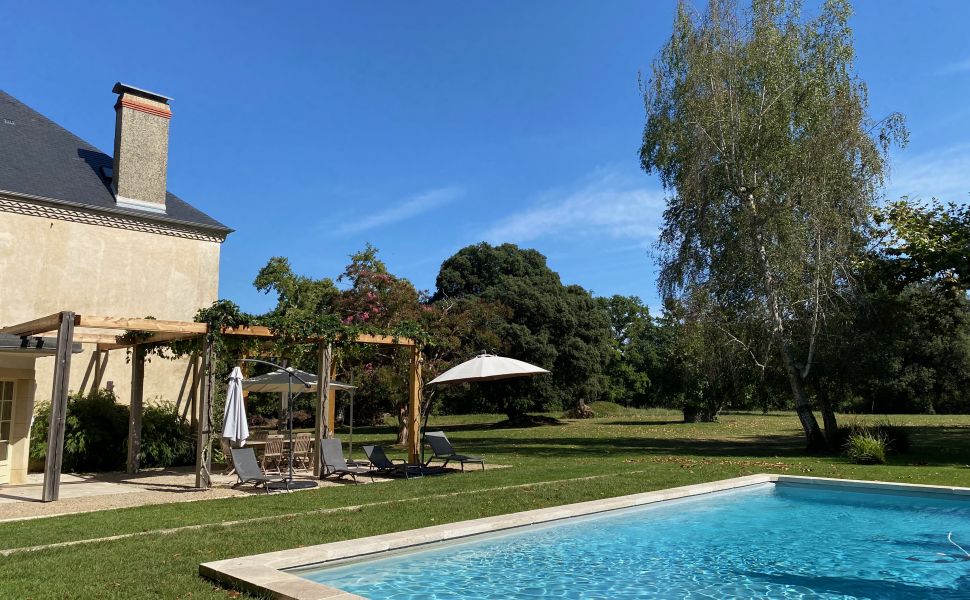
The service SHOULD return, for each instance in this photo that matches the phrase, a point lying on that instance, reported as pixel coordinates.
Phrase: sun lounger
(443, 450)
(332, 454)
(248, 471)
(383, 465)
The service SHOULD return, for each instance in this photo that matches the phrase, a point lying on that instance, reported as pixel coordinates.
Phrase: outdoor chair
(443, 450)
(332, 454)
(247, 469)
(383, 465)
(273, 452)
(300, 452)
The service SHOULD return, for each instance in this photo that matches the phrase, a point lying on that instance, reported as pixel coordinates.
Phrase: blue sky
(422, 127)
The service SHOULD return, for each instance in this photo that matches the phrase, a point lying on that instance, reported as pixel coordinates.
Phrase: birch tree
(758, 127)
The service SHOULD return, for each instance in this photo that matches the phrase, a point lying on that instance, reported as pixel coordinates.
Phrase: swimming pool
(795, 538)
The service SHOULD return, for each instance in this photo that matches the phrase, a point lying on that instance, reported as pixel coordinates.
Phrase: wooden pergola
(73, 328)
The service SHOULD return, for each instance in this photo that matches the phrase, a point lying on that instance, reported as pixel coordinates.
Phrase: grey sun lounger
(443, 450)
(248, 471)
(332, 453)
(385, 466)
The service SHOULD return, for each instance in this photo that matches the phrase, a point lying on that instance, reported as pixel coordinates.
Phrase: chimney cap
(121, 88)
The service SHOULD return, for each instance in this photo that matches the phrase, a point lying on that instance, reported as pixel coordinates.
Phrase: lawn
(157, 554)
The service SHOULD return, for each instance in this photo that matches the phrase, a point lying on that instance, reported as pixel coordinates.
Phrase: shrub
(95, 433)
(866, 449)
(896, 437)
(166, 438)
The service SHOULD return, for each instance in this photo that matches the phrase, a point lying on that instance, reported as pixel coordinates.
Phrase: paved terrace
(99, 491)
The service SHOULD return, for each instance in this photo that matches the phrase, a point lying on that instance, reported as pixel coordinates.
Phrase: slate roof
(40, 158)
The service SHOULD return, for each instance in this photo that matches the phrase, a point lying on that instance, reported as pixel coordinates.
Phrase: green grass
(629, 452)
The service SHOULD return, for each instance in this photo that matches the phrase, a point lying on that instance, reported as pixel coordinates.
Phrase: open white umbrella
(484, 367)
(234, 424)
(278, 381)
(487, 367)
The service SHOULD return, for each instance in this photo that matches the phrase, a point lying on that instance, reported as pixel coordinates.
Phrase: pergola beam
(155, 338)
(35, 327)
(262, 331)
(166, 330)
(155, 325)
(96, 338)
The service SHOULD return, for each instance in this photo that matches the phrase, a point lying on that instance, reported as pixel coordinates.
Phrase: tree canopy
(555, 326)
(757, 125)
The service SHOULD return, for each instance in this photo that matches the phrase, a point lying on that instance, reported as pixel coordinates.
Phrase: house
(84, 231)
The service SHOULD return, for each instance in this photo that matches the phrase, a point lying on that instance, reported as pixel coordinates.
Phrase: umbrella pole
(289, 405)
(350, 448)
(289, 415)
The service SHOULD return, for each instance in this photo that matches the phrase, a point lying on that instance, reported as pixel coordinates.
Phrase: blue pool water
(768, 541)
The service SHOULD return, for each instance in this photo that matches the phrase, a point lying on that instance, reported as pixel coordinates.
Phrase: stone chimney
(141, 148)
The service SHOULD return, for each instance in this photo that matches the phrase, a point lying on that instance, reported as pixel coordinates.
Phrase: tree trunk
(828, 416)
(813, 434)
(816, 441)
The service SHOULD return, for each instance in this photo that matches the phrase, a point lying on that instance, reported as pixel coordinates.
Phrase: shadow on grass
(647, 422)
(946, 448)
(595, 447)
(943, 445)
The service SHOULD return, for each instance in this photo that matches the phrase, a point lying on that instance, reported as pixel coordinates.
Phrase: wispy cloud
(606, 203)
(954, 67)
(406, 209)
(944, 174)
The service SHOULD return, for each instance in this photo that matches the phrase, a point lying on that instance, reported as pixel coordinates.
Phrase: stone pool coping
(265, 574)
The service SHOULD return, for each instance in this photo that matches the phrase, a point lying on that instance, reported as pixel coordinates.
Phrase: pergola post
(136, 406)
(322, 429)
(55, 436)
(192, 405)
(203, 452)
(331, 399)
(414, 406)
(100, 368)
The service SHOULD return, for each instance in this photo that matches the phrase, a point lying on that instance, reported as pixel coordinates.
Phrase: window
(6, 416)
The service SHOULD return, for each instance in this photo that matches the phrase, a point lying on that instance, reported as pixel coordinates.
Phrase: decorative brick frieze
(117, 221)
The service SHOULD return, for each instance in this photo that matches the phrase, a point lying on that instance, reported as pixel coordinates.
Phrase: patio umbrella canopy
(234, 425)
(277, 382)
(487, 367)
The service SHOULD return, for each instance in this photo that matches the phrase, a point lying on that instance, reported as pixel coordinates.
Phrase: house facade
(97, 235)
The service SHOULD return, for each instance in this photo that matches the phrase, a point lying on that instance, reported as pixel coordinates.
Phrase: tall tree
(757, 124)
(927, 242)
(636, 356)
(555, 326)
(379, 299)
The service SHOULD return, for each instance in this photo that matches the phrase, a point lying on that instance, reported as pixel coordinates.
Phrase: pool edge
(265, 574)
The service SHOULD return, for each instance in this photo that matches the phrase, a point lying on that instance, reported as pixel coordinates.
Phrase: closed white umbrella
(234, 425)
(487, 367)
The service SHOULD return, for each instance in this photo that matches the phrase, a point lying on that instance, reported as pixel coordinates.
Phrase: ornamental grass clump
(866, 449)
